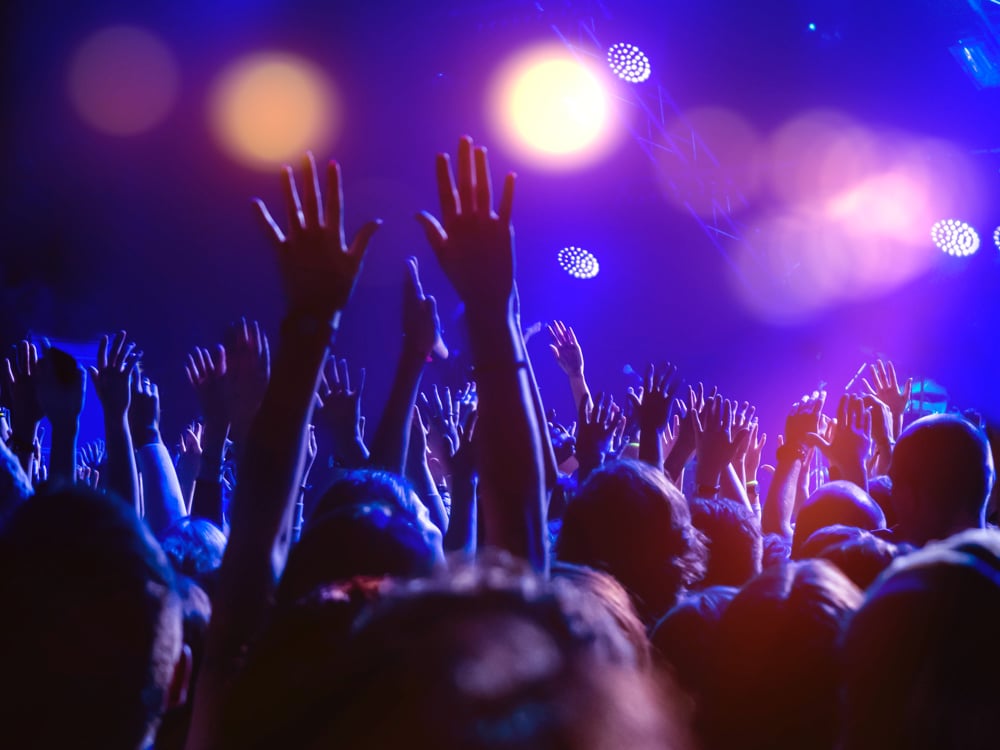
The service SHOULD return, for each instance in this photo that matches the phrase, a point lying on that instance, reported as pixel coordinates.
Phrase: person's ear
(180, 682)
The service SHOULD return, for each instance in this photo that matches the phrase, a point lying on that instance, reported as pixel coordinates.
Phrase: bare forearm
(511, 488)
(123, 475)
(777, 512)
(392, 437)
(461, 536)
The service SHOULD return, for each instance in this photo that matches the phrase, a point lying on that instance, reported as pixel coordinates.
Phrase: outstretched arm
(421, 337)
(319, 271)
(475, 247)
(61, 386)
(161, 492)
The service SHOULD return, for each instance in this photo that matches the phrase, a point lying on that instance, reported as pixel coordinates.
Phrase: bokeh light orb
(629, 63)
(955, 237)
(269, 108)
(122, 80)
(578, 263)
(552, 109)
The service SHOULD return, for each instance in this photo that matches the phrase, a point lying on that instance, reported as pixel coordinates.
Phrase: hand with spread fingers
(884, 385)
(318, 267)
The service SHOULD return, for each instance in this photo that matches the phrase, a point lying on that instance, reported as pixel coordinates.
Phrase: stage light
(122, 80)
(578, 263)
(955, 237)
(269, 108)
(551, 109)
(996, 232)
(812, 27)
(628, 62)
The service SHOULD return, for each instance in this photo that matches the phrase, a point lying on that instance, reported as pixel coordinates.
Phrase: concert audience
(466, 572)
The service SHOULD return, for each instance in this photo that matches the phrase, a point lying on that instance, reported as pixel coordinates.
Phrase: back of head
(836, 503)
(613, 598)
(365, 486)
(779, 635)
(862, 559)
(91, 653)
(735, 542)
(486, 656)
(684, 640)
(942, 474)
(362, 540)
(920, 657)
(629, 521)
(194, 547)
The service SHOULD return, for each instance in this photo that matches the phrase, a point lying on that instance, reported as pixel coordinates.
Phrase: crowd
(465, 572)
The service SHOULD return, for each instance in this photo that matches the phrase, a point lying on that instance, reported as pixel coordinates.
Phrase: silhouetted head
(942, 474)
(778, 638)
(629, 521)
(836, 503)
(195, 548)
(734, 540)
(94, 655)
(920, 656)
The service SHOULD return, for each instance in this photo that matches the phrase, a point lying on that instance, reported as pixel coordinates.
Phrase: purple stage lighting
(579, 263)
(955, 237)
(628, 62)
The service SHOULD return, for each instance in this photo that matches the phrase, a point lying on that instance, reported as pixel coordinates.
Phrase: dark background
(154, 233)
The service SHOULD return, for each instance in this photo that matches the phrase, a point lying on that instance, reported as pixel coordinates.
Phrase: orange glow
(552, 109)
(122, 81)
(269, 108)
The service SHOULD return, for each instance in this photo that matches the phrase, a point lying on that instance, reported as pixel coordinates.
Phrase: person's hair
(880, 490)
(93, 632)
(372, 539)
(835, 503)
(862, 559)
(684, 639)
(629, 521)
(362, 487)
(483, 656)
(943, 466)
(778, 638)
(920, 657)
(611, 595)
(735, 542)
(194, 547)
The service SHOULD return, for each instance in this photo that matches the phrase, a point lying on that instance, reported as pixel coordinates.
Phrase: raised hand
(92, 455)
(318, 267)
(473, 243)
(651, 405)
(882, 431)
(421, 326)
(852, 440)
(566, 349)
(340, 412)
(87, 476)
(206, 374)
(20, 382)
(716, 442)
(144, 412)
(246, 370)
(595, 431)
(752, 457)
(188, 464)
(887, 389)
(61, 384)
(804, 419)
(112, 378)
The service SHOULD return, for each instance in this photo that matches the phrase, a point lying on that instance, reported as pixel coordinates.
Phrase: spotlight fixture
(955, 237)
(578, 263)
(628, 62)
(996, 237)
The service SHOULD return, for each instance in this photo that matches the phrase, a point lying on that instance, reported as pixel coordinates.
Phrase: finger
(361, 382)
(507, 199)
(466, 177)
(447, 194)
(572, 336)
(438, 406)
(436, 236)
(335, 200)
(648, 382)
(450, 406)
(124, 355)
(115, 355)
(908, 389)
(313, 203)
(484, 186)
(296, 220)
(8, 372)
(220, 359)
(816, 441)
(267, 223)
(412, 288)
(343, 374)
(360, 244)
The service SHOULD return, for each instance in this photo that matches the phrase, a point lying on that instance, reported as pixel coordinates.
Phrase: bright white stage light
(955, 237)
(628, 62)
(579, 263)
